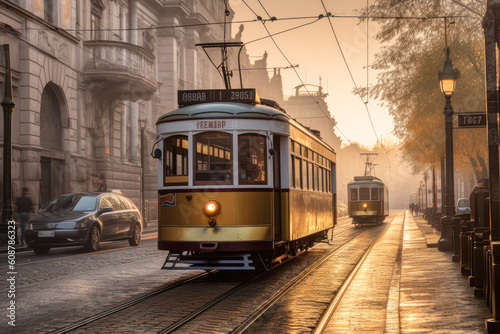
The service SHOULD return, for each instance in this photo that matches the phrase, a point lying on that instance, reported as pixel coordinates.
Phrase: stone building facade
(90, 79)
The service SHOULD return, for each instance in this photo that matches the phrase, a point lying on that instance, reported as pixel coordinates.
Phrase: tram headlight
(211, 209)
(365, 206)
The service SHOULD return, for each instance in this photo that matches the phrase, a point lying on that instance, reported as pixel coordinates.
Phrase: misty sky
(317, 53)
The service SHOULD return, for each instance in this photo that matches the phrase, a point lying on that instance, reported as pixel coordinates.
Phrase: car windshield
(79, 203)
(463, 202)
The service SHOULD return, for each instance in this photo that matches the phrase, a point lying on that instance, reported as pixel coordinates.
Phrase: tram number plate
(42, 234)
(473, 120)
(188, 97)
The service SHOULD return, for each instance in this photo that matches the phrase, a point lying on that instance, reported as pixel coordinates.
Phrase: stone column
(134, 108)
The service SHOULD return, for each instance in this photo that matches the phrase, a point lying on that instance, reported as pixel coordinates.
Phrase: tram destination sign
(189, 97)
(472, 120)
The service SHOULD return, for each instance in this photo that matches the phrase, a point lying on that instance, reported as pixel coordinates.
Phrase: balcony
(119, 71)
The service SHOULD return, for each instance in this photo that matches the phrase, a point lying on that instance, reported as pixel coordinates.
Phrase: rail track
(196, 311)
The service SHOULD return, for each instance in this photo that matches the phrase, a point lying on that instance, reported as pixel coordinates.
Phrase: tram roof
(366, 180)
(224, 110)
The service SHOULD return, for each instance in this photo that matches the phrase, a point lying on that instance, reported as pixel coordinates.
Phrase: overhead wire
(296, 73)
(328, 14)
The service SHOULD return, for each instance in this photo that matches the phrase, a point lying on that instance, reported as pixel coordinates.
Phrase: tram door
(277, 187)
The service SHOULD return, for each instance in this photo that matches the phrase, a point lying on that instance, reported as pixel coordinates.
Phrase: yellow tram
(240, 183)
(368, 200)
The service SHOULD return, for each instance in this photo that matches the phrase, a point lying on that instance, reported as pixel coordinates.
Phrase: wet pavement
(410, 287)
(406, 285)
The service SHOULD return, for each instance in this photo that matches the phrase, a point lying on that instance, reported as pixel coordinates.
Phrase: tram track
(129, 303)
(179, 323)
(259, 312)
(325, 318)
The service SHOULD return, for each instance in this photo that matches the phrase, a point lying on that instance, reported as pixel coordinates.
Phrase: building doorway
(52, 182)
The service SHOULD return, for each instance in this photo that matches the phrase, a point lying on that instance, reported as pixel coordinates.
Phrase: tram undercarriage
(262, 260)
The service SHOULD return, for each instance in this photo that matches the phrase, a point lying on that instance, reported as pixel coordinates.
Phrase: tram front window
(213, 158)
(176, 160)
(364, 194)
(252, 159)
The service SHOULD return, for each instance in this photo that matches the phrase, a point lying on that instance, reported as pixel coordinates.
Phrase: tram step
(188, 261)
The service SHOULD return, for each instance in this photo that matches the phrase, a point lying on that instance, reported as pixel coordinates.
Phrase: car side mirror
(105, 209)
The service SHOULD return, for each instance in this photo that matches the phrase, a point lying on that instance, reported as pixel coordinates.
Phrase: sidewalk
(435, 297)
(406, 285)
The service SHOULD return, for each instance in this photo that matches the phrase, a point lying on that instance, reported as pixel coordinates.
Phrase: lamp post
(448, 78)
(142, 123)
(7, 105)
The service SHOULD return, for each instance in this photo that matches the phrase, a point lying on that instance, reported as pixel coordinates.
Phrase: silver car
(463, 205)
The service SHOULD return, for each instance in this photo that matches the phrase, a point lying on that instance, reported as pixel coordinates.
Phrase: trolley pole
(8, 105)
(491, 25)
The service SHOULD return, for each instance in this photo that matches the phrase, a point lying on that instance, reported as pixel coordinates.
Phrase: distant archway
(50, 120)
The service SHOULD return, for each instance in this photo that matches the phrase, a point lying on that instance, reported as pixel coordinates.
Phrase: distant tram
(241, 184)
(368, 200)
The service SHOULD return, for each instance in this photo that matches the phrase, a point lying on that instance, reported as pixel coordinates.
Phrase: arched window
(50, 120)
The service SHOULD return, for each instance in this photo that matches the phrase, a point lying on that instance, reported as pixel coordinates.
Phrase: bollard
(466, 230)
(487, 275)
(493, 324)
(437, 221)
(476, 280)
(455, 242)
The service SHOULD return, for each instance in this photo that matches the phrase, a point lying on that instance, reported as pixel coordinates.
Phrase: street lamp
(447, 79)
(142, 123)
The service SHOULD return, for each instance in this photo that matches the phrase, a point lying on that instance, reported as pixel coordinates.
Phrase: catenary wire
(297, 74)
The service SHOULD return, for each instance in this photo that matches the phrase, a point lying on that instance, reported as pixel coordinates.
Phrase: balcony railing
(121, 68)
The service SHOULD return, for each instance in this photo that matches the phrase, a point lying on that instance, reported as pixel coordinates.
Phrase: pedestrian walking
(24, 205)
(417, 208)
(102, 184)
(412, 208)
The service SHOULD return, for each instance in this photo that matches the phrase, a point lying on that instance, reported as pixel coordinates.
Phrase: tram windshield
(213, 158)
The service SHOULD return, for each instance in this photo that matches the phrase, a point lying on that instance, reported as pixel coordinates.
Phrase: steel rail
(278, 295)
(128, 304)
(175, 326)
(325, 318)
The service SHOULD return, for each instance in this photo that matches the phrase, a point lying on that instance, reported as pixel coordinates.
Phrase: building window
(50, 120)
(213, 158)
(252, 159)
(49, 11)
(95, 25)
(176, 160)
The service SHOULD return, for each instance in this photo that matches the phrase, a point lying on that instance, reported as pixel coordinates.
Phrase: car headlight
(211, 209)
(81, 224)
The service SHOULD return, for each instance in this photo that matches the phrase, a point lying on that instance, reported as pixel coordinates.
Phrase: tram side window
(364, 194)
(176, 160)
(213, 158)
(297, 175)
(375, 194)
(304, 174)
(354, 194)
(252, 159)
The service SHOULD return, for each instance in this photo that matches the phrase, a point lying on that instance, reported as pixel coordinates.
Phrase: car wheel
(136, 236)
(41, 250)
(94, 239)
